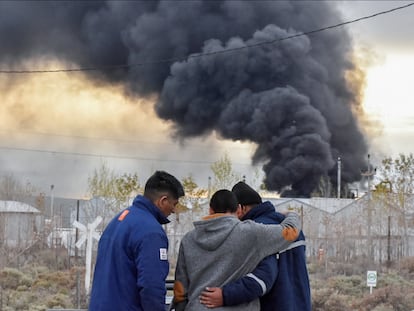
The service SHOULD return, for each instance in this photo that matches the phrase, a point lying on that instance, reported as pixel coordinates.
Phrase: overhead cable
(198, 55)
(112, 156)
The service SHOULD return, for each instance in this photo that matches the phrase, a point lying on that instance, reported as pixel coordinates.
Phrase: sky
(57, 128)
(388, 93)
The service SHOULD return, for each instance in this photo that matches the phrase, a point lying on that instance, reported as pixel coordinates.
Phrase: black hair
(161, 182)
(223, 201)
(245, 194)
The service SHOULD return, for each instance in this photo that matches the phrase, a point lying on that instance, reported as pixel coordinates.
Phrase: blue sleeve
(152, 267)
(253, 285)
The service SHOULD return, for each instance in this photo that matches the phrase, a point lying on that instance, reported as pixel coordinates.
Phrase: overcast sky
(388, 95)
(60, 140)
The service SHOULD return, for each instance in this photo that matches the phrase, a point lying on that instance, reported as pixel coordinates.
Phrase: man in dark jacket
(132, 262)
(291, 290)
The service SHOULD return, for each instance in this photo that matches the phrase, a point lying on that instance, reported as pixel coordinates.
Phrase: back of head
(245, 194)
(223, 201)
(162, 182)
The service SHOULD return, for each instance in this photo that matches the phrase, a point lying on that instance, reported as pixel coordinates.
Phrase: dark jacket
(132, 262)
(291, 290)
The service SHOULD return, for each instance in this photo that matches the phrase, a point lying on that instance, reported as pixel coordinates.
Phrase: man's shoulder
(268, 219)
(247, 225)
(188, 235)
(141, 223)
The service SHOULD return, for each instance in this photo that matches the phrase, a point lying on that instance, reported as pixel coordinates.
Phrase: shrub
(319, 298)
(11, 278)
(347, 285)
(399, 298)
(407, 264)
(337, 302)
(58, 301)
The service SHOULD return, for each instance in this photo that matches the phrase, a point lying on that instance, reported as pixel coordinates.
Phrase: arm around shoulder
(291, 226)
(272, 239)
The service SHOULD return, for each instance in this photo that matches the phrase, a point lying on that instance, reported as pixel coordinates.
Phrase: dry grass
(37, 288)
(334, 288)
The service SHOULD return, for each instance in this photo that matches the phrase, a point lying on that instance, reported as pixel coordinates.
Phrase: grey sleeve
(180, 298)
(272, 239)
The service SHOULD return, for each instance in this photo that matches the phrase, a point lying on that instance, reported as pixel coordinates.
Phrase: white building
(19, 224)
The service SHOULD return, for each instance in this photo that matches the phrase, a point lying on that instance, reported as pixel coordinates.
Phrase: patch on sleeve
(163, 254)
(179, 292)
(123, 215)
(290, 234)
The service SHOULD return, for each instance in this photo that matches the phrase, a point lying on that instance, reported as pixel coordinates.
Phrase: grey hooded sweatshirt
(221, 249)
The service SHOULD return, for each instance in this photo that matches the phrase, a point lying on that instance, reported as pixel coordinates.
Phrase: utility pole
(209, 188)
(53, 225)
(389, 242)
(339, 178)
(369, 173)
(51, 201)
(77, 260)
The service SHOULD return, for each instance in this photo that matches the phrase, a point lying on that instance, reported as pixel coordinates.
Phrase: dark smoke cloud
(290, 98)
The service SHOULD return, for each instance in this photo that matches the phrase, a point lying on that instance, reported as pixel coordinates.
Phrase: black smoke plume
(290, 97)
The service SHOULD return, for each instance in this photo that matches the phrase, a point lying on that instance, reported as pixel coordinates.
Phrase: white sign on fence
(371, 279)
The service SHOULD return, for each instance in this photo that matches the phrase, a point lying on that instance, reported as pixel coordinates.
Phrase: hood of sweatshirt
(209, 234)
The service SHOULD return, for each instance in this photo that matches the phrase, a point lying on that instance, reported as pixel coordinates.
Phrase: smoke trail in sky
(291, 98)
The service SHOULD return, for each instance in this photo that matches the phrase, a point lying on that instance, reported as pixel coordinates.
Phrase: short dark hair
(245, 194)
(161, 182)
(223, 201)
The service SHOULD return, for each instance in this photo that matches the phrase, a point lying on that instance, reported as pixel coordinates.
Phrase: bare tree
(12, 189)
(193, 194)
(394, 193)
(224, 176)
(113, 190)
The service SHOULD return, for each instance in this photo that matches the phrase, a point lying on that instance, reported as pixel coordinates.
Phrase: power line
(198, 55)
(80, 154)
(111, 139)
(98, 155)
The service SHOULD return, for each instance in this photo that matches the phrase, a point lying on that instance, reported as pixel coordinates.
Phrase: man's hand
(212, 297)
